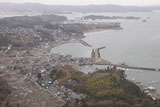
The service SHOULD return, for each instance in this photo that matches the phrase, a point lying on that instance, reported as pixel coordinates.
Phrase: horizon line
(78, 4)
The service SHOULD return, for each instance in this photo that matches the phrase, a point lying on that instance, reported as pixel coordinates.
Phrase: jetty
(121, 66)
(84, 43)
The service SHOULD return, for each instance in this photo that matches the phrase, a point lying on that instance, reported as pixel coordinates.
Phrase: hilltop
(103, 88)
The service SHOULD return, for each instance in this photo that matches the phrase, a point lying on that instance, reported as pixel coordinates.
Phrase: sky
(86, 2)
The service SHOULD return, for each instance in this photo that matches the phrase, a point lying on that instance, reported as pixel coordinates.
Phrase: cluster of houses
(68, 94)
(149, 91)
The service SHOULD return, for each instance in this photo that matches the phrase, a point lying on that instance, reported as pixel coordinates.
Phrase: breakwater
(123, 66)
(84, 43)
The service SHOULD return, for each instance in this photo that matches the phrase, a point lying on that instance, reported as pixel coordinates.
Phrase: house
(3, 48)
(24, 52)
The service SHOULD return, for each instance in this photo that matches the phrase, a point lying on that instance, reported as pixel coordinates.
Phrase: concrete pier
(95, 55)
(84, 43)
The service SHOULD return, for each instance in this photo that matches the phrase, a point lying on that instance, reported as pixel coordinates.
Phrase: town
(26, 61)
(77, 53)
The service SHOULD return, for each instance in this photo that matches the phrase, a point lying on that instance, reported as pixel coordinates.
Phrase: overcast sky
(86, 2)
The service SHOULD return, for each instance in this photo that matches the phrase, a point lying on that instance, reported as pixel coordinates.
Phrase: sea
(137, 44)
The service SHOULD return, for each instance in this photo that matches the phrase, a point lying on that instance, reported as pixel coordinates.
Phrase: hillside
(5, 90)
(103, 88)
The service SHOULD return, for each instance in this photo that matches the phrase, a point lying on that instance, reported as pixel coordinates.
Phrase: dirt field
(27, 93)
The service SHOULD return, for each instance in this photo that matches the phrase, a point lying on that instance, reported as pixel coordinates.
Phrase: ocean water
(138, 44)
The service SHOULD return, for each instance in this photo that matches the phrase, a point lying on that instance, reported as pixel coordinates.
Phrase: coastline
(40, 57)
(53, 45)
(154, 94)
(96, 31)
(48, 48)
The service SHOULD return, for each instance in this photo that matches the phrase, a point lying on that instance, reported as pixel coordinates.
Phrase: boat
(146, 91)
(144, 20)
(150, 82)
(133, 79)
(151, 88)
(157, 69)
(153, 82)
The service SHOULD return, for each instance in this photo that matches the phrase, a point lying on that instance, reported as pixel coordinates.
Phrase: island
(99, 17)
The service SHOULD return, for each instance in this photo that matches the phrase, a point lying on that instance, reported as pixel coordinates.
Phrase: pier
(95, 55)
(84, 43)
(122, 66)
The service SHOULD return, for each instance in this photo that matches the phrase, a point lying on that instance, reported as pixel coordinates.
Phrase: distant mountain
(36, 7)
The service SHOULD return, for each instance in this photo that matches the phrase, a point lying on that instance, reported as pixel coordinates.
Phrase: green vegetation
(4, 90)
(67, 72)
(104, 88)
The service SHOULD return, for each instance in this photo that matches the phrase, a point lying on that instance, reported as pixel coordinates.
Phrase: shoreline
(44, 56)
(96, 31)
(155, 94)
(53, 45)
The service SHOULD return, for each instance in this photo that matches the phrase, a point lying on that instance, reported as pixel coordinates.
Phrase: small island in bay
(99, 17)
